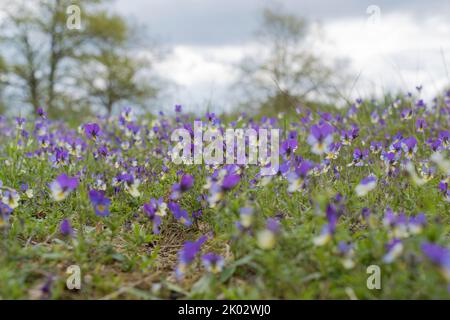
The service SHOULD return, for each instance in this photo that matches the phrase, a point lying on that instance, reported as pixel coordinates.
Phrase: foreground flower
(180, 214)
(213, 262)
(11, 198)
(320, 138)
(218, 190)
(100, 202)
(346, 251)
(267, 237)
(186, 183)
(187, 255)
(5, 212)
(92, 131)
(63, 186)
(394, 250)
(440, 256)
(328, 229)
(366, 185)
(158, 207)
(154, 217)
(65, 228)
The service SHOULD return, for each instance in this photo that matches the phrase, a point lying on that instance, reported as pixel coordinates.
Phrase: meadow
(361, 188)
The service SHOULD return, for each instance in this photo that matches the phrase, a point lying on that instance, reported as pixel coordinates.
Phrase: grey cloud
(232, 22)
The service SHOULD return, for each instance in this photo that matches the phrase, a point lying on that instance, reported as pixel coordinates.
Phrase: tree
(51, 64)
(120, 74)
(286, 70)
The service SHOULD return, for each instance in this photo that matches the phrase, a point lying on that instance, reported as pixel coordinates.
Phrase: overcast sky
(407, 47)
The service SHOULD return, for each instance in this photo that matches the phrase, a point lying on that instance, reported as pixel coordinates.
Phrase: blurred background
(75, 58)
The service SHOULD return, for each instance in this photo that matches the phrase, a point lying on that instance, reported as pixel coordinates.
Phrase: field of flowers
(357, 188)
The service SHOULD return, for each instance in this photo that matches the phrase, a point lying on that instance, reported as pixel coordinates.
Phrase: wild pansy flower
(328, 229)
(333, 151)
(440, 256)
(180, 214)
(374, 117)
(376, 146)
(92, 131)
(27, 190)
(178, 108)
(288, 147)
(213, 262)
(62, 186)
(393, 250)
(158, 207)
(100, 202)
(297, 178)
(5, 212)
(359, 157)
(219, 188)
(127, 114)
(390, 158)
(320, 138)
(409, 146)
(20, 122)
(442, 163)
(187, 255)
(186, 183)
(417, 223)
(266, 238)
(346, 251)
(11, 198)
(41, 113)
(65, 228)
(246, 219)
(421, 125)
(426, 171)
(444, 187)
(411, 170)
(366, 185)
(132, 185)
(155, 219)
(444, 137)
(406, 114)
(347, 136)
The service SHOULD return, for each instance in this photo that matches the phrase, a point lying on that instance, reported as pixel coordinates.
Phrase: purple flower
(329, 228)
(186, 183)
(151, 210)
(92, 131)
(393, 250)
(230, 181)
(366, 185)
(421, 125)
(100, 202)
(41, 113)
(178, 108)
(187, 255)
(359, 157)
(157, 207)
(266, 238)
(320, 138)
(288, 147)
(438, 255)
(65, 228)
(213, 262)
(409, 146)
(63, 186)
(5, 212)
(180, 214)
